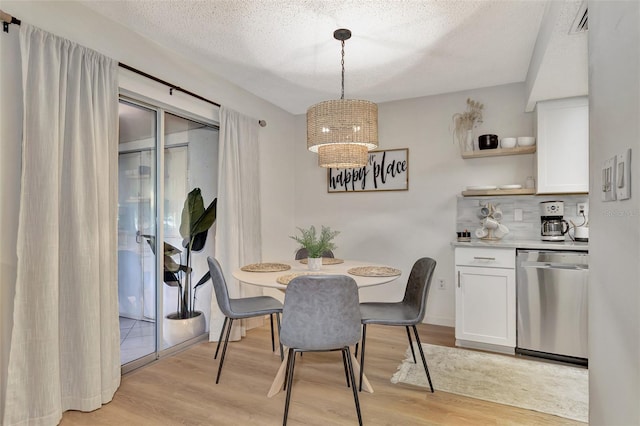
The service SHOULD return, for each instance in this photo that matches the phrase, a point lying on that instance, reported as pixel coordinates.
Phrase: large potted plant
(195, 223)
(316, 244)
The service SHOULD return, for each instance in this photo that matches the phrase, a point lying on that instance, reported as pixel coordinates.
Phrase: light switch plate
(517, 215)
(623, 175)
(608, 177)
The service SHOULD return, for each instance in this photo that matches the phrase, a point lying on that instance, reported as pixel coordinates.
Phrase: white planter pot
(314, 263)
(177, 330)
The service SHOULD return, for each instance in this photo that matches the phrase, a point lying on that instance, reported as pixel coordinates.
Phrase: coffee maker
(553, 227)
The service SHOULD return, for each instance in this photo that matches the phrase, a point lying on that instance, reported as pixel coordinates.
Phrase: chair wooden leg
(224, 324)
(413, 352)
(347, 352)
(289, 384)
(279, 342)
(424, 361)
(273, 344)
(224, 349)
(364, 338)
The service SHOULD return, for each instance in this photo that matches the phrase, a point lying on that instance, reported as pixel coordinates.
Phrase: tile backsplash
(468, 213)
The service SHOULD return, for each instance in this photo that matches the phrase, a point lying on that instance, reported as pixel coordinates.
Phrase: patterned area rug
(549, 388)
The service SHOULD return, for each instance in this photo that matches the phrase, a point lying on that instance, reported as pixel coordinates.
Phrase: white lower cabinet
(486, 298)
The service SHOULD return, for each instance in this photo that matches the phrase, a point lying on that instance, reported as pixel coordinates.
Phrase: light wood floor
(181, 390)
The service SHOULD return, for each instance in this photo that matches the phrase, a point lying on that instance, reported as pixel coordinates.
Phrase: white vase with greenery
(316, 244)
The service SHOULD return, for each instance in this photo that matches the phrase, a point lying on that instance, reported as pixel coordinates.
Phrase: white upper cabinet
(563, 145)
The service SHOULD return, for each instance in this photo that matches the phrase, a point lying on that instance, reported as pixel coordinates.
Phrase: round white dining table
(269, 279)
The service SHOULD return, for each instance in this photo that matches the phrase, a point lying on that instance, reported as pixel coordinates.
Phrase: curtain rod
(173, 87)
(8, 19)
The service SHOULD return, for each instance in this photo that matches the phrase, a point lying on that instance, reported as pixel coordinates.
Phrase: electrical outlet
(582, 209)
(441, 284)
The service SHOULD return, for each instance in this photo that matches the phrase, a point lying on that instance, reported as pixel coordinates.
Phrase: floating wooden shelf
(524, 191)
(499, 152)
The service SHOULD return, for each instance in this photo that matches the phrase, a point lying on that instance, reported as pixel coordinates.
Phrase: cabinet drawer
(486, 257)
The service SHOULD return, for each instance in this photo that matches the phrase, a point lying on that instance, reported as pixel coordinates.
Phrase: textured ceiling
(284, 51)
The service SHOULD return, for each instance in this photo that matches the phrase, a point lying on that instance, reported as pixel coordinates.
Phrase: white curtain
(238, 234)
(65, 340)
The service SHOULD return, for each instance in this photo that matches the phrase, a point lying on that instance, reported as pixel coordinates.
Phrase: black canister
(488, 141)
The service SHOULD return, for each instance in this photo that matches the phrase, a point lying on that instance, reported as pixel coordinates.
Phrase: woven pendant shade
(342, 121)
(342, 131)
(343, 156)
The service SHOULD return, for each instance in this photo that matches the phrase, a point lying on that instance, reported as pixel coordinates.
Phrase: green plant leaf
(199, 240)
(171, 279)
(193, 208)
(170, 264)
(170, 250)
(206, 277)
(203, 222)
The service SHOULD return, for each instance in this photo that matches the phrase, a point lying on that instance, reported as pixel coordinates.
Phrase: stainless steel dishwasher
(552, 304)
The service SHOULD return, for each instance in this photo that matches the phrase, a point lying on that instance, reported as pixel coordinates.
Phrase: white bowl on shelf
(508, 143)
(526, 140)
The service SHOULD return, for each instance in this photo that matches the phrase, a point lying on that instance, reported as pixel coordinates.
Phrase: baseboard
(444, 321)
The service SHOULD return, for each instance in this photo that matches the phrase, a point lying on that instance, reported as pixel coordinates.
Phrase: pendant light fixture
(342, 131)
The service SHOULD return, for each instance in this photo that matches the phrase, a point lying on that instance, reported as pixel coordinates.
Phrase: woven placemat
(266, 267)
(285, 279)
(326, 261)
(374, 271)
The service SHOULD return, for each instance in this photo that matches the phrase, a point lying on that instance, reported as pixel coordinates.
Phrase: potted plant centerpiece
(315, 244)
(195, 222)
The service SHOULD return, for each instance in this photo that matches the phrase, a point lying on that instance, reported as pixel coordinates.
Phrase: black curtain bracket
(7, 20)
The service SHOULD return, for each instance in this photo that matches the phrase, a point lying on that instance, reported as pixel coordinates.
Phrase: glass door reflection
(190, 161)
(136, 231)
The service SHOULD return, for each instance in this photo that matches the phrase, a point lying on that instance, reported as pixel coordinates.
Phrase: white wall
(80, 24)
(614, 272)
(397, 228)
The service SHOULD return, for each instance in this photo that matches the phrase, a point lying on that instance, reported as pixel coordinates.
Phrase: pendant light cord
(342, 63)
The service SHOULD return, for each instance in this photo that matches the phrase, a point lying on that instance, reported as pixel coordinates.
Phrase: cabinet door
(486, 305)
(563, 146)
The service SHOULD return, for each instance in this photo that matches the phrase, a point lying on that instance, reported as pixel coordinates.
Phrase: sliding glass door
(190, 161)
(136, 231)
(162, 157)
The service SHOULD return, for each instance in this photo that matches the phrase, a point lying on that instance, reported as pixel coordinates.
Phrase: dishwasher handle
(552, 265)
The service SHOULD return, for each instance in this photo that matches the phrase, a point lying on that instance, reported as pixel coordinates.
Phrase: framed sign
(386, 170)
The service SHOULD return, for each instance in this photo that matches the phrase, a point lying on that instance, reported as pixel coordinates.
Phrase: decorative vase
(314, 263)
(177, 330)
(468, 143)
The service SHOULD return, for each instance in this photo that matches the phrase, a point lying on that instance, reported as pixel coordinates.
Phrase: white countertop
(525, 244)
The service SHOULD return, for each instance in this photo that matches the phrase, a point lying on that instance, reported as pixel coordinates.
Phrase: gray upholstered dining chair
(321, 313)
(246, 307)
(303, 253)
(407, 313)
